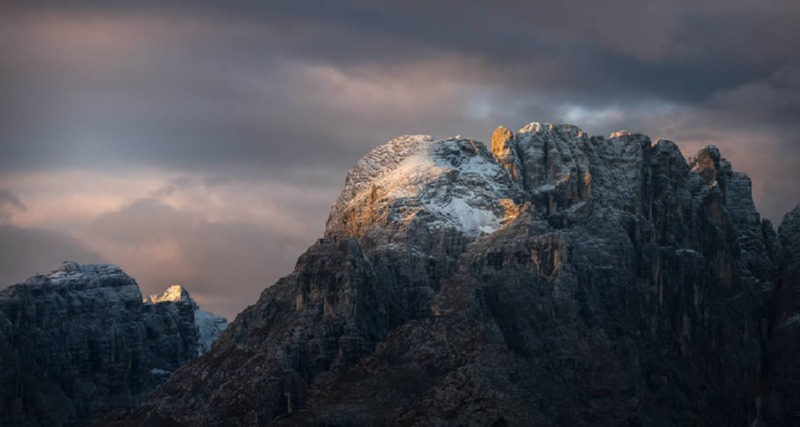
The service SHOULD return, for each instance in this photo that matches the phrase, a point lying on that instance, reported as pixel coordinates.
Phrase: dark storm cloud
(218, 86)
(771, 101)
(753, 35)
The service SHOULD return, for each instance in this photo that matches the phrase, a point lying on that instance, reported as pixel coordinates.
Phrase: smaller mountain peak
(172, 294)
(706, 162)
(711, 151)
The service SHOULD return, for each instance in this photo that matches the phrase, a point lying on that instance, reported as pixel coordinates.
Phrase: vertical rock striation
(80, 341)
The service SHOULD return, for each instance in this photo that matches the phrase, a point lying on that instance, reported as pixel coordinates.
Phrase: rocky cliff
(554, 278)
(81, 341)
(781, 388)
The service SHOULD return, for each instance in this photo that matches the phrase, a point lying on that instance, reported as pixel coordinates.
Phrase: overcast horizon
(204, 145)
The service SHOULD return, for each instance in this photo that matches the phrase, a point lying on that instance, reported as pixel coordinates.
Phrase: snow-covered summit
(445, 183)
(70, 272)
(107, 284)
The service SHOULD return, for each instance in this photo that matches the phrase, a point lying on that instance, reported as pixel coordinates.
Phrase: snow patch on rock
(209, 326)
(71, 272)
(453, 183)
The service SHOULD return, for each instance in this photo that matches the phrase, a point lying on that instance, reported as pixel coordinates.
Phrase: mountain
(554, 278)
(781, 387)
(81, 341)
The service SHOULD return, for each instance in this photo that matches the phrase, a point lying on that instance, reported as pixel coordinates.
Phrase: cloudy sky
(204, 145)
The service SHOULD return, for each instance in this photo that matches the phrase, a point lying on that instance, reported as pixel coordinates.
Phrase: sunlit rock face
(553, 278)
(80, 341)
(452, 184)
(173, 294)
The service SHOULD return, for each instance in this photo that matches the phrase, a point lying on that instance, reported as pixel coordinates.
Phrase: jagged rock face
(208, 326)
(556, 279)
(80, 341)
(504, 150)
(781, 398)
(789, 233)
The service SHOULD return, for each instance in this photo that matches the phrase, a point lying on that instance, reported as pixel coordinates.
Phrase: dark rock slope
(781, 391)
(551, 279)
(80, 341)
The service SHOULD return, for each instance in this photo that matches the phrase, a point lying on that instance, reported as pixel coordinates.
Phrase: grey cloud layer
(295, 92)
(9, 205)
(24, 252)
(216, 87)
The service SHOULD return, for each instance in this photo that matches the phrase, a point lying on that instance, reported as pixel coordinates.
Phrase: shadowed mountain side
(81, 341)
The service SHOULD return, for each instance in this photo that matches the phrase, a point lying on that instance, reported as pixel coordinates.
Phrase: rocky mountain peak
(708, 163)
(72, 273)
(504, 150)
(412, 181)
(208, 325)
(80, 341)
(457, 183)
(782, 368)
(501, 138)
(789, 232)
(554, 278)
(172, 294)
